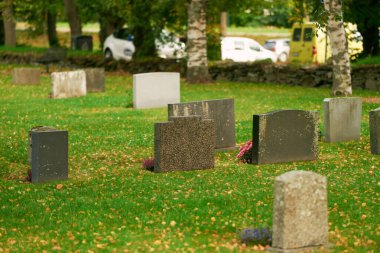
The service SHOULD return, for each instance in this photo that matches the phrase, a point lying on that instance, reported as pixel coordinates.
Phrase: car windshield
(269, 44)
(123, 34)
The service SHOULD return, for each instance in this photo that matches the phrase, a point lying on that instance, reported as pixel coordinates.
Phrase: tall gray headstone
(220, 110)
(154, 90)
(374, 127)
(285, 136)
(184, 143)
(300, 216)
(48, 154)
(95, 79)
(25, 76)
(342, 118)
(68, 84)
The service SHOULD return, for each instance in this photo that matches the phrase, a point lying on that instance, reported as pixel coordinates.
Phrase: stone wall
(364, 77)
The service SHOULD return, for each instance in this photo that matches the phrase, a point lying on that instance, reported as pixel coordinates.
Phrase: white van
(240, 49)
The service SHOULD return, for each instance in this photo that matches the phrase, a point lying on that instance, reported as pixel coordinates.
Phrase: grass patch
(372, 60)
(111, 203)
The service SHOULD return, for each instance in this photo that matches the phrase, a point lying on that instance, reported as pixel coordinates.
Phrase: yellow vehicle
(309, 44)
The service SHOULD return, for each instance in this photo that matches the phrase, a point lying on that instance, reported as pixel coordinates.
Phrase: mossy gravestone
(342, 118)
(48, 154)
(300, 216)
(285, 136)
(184, 143)
(220, 110)
(68, 84)
(26, 76)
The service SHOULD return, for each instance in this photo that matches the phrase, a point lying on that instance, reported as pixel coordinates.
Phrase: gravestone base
(320, 248)
(227, 149)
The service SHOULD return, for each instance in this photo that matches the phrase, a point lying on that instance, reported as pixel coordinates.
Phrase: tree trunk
(197, 66)
(73, 18)
(370, 40)
(339, 50)
(2, 34)
(9, 24)
(52, 28)
(223, 24)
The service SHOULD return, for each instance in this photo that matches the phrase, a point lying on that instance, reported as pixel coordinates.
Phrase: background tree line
(146, 19)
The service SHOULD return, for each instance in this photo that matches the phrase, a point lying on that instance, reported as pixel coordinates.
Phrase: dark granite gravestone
(374, 127)
(219, 110)
(184, 143)
(95, 79)
(285, 136)
(48, 154)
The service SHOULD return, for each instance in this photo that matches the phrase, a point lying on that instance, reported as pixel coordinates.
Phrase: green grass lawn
(110, 203)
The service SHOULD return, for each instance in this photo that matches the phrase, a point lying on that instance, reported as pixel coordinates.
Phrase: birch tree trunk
(197, 66)
(9, 24)
(339, 49)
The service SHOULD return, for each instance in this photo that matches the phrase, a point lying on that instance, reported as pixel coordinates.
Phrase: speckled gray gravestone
(220, 110)
(25, 76)
(68, 84)
(342, 118)
(374, 127)
(285, 136)
(48, 154)
(94, 79)
(184, 143)
(300, 216)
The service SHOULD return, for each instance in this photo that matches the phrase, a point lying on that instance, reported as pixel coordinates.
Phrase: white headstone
(68, 84)
(342, 118)
(153, 90)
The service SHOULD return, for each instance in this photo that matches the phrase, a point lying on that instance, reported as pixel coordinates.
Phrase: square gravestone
(342, 118)
(285, 136)
(374, 127)
(220, 110)
(184, 143)
(48, 154)
(300, 216)
(25, 76)
(95, 79)
(153, 90)
(68, 84)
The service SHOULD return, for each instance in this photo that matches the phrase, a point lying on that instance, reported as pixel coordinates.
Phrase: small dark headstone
(82, 42)
(48, 154)
(374, 127)
(184, 143)
(285, 136)
(94, 79)
(219, 110)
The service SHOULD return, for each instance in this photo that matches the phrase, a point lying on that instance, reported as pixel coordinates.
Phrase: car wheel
(283, 57)
(108, 54)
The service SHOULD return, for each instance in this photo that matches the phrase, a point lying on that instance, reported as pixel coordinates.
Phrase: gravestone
(219, 110)
(48, 154)
(184, 143)
(26, 76)
(68, 84)
(94, 79)
(153, 90)
(300, 216)
(285, 136)
(374, 127)
(342, 117)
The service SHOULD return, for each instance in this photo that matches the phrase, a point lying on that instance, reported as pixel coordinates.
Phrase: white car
(119, 46)
(241, 49)
(280, 47)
